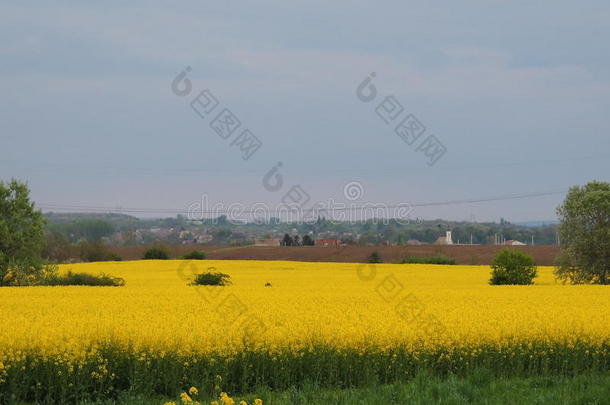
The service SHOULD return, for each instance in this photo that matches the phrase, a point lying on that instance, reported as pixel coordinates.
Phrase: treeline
(57, 249)
(296, 240)
(80, 227)
(82, 230)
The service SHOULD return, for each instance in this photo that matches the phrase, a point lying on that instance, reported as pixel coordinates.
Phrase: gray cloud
(517, 91)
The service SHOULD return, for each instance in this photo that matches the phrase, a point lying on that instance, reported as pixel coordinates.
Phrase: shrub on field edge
(512, 266)
(438, 259)
(156, 254)
(194, 255)
(375, 257)
(210, 278)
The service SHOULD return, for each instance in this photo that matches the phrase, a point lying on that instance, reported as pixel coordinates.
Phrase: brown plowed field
(463, 254)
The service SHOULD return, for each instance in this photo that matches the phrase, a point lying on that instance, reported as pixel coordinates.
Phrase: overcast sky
(517, 91)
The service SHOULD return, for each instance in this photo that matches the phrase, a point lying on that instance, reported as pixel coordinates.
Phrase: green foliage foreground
(113, 372)
(479, 387)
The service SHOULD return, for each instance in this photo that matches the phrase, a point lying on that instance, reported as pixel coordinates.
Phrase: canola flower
(226, 399)
(383, 320)
(187, 398)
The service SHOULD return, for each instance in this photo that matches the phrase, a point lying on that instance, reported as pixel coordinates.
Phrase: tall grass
(112, 369)
(477, 388)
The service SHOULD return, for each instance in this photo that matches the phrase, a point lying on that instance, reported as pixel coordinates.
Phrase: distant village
(331, 242)
(327, 239)
(120, 229)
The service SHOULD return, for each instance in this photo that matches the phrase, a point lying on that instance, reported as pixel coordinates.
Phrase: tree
(156, 253)
(57, 248)
(96, 251)
(89, 230)
(307, 241)
(21, 235)
(512, 266)
(287, 241)
(584, 234)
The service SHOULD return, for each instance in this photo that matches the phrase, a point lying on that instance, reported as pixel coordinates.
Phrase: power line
(141, 210)
(504, 198)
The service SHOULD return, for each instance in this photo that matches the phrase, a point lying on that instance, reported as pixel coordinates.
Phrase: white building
(445, 240)
(513, 243)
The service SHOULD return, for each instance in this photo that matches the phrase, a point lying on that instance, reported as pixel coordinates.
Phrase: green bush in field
(438, 259)
(513, 267)
(195, 255)
(156, 254)
(375, 257)
(70, 278)
(113, 257)
(210, 278)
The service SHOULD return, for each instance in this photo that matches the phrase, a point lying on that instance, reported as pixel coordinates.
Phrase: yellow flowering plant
(319, 319)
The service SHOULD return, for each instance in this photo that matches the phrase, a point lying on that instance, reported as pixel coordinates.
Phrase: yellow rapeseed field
(335, 303)
(439, 315)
